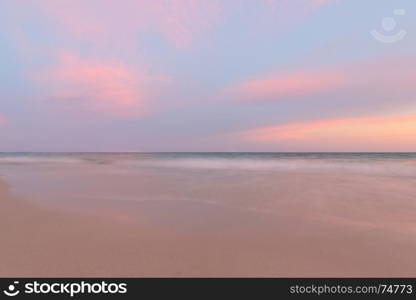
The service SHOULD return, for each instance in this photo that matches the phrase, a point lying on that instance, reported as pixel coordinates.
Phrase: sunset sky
(207, 75)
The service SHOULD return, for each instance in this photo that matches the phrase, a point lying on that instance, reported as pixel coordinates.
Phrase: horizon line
(172, 152)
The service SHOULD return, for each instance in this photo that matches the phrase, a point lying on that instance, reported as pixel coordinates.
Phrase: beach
(104, 217)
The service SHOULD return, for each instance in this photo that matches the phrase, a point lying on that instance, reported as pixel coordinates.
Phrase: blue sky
(188, 75)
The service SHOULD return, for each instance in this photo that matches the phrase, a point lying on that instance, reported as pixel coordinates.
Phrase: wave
(22, 160)
(386, 167)
(400, 165)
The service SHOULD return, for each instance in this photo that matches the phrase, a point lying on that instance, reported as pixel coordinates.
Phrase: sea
(354, 189)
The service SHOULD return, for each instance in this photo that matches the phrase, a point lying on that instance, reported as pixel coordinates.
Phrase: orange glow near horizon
(397, 130)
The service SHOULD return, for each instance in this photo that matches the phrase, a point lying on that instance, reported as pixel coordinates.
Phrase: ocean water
(370, 190)
(292, 214)
(398, 163)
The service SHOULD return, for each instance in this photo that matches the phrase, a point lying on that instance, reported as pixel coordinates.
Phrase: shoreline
(39, 242)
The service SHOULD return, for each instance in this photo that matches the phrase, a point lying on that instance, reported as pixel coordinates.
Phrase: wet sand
(227, 241)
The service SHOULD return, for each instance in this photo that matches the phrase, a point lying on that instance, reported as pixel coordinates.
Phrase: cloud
(393, 130)
(296, 84)
(101, 88)
(179, 21)
(389, 78)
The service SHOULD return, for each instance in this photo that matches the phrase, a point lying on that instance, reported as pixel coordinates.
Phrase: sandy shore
(37, 241)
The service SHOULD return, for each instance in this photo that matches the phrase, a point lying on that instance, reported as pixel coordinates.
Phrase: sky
(207, 75)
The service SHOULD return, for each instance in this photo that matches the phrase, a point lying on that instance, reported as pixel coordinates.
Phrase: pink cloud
(180, 21)
(102, 88)
(386, 78)
(295, 84)
(389, 130)
(183, 20)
